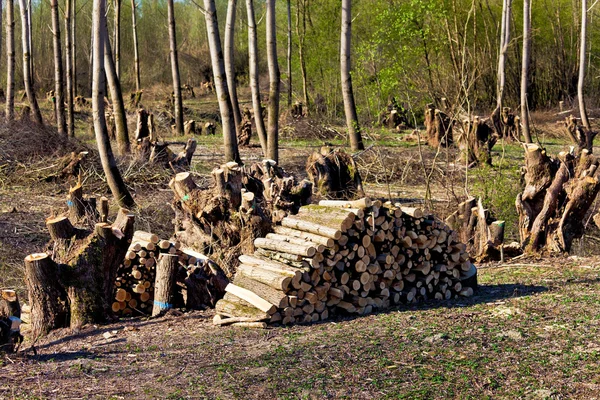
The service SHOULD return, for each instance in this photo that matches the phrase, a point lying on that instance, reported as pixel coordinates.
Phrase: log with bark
(334, 174)
(346, 257)
(556, 199)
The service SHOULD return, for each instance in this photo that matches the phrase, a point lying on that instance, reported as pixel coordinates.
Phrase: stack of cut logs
(186, 284)
(346, 257)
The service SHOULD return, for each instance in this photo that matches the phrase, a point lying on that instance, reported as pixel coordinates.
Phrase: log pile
(346, 257)
(190, 279)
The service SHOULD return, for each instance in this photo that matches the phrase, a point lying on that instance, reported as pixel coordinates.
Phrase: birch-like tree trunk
(229, 48)
(301, 58)
(59, 102)
(116, 97)
(136, 54)
(273, 118)
(117, 37)
(10, 60)
(109, 164)
(175, 69)
(525, 69)
(289, 53)
(254, 76)
(30, 40)
(68, 58)
(504, 41)
(27, 78)
(580, 81)
(347, 93)
(220, 78)
(74, 45)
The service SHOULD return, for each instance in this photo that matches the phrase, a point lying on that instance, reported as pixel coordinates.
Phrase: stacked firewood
(194, 283)
(346, 257)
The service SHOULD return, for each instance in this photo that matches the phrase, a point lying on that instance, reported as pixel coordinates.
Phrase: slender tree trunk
(109, 164)
(525, 68)
(229, 62)
(580, 81)
(27, 78)
(30, 40)
(91, 69)
(301, 38)
(10, 60)
(59, 104)
(136, 55)
(273, 119)
(289, 52)
(175, 69)
(348, 94)
(254, 76)
(74, 46)
(116, 97)
(218, 67)
(117, 37)
(504, 40)
(68, 58)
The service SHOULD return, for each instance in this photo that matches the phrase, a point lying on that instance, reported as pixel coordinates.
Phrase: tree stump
(582, 138)
(438, 127)
(245, 132)
(478, 141)
(142, 129)
(164, 286)
(334, 174)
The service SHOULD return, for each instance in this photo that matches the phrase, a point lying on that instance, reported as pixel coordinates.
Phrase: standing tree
(116, 97)
(136, 55)
(254, 77)
(347, 93)
(229, 62)
(68, 58)
(30, 37)
(218, 67)
(73, 59)
(289, 52)
(525, 69)
(59, 103)
(178, 102)
(27, 70)
(301, 58)
(273, 119)
(117, 37)
(10, 60)
(504, 40)
(582, 50)
(109, 164)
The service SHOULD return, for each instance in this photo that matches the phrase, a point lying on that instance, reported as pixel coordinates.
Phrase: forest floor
(532, 330)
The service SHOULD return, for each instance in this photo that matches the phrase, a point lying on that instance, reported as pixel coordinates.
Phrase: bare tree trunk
(301, 38)
(109, 164)
(289, 52)
(254, 76)
(30, 40)
(91, 69)
(525, 69)
(73, 59)
(59, 102)
(273, 119)
(175, 69)
(117, 37)
(136, 55)
(347, 93)
(229, 62)
(10, 60)
(582, 50)
(116, 97)
(504, 40)
(68, 58)
(218, 67)
(27, 78)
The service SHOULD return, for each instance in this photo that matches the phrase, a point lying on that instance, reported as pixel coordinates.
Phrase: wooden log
(360, 203)
(414, 212)
(60, 228)
(147, 236)
(103, 209)
(182, 184)
(276, 297)
(233, 308)
(322, 240)
(164, 284)
(311, 227)
(286, 247)
(251, 298)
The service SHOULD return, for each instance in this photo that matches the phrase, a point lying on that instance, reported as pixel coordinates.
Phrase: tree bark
(136, 55)
(175, 69)
(580, 81)
(525, 69)
(164, 286)
(504, 40)
(116, 96)
(30, 39)
(109, 164)
(254, 77)
(68, 58)
(301, 39)
(273, 119)
(289, 52)
(59, 102)
(347, 92)
(221, 87)
(230, 64)
(10, 60)
(27, 70)
(117, 38)
(73, 59)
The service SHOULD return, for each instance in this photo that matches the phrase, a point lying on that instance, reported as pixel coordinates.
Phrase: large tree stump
(557, 196)
(582, 138)
(245, 130)
(438, 127)
(334, 174)
(477, 141)
(164, 286)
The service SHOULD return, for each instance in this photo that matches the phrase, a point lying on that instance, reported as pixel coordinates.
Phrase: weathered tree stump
(438, 127)
(245, 132)
(334, 174)
(210, 128)
(477, 141)
(164, 286)
(582, 138)
(10, 314)
(142, 129)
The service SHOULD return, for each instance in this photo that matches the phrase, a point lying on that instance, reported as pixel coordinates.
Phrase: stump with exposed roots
(334, 174)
